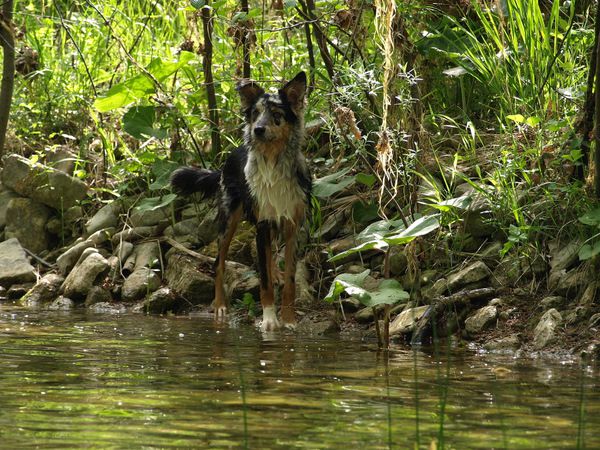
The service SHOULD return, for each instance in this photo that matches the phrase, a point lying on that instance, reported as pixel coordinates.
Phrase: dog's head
(271, 118)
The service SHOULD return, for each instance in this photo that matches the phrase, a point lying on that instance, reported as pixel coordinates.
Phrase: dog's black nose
(259, 131)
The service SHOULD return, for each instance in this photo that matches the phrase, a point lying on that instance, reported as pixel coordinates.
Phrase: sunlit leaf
(331, 184)
(154, 203)
(139, 122)
(349, 283)
(591, 218)
(588, 251)
(389, 292)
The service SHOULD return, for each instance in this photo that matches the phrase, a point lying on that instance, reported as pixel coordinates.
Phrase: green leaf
(389, 292)
(591, 218)
(154, 203)
(365, 213)
(370, 245)
(349, 283)
(331, 184)
(517, 118)
(419, 227)
(139, 122)
(197, 4)
(366, 179)
(588, 251)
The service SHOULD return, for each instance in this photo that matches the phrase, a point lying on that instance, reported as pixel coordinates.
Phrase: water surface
(84, 380)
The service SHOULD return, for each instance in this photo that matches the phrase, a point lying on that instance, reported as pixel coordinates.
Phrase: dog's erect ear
(249, 92)
(294, 92)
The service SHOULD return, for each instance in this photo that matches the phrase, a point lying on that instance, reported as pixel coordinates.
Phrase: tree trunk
(213, 112)
(7, 39)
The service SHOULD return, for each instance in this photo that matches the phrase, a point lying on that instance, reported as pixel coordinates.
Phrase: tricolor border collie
(265, 181)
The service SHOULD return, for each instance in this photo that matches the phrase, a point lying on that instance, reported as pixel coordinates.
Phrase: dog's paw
(221, 313)
(269, 321)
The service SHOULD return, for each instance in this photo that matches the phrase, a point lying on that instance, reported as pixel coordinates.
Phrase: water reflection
(130, 381)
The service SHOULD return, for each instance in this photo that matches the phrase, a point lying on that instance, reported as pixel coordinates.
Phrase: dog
(267, 181)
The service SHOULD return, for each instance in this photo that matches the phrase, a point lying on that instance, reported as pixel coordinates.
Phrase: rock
(594, 320)
(17, 291)
(544, 333)
(162, 301)
(61, 304)
(405, 322)
(149, 217)
(2, 293)
(44, 291)
(305, 292)
(41, 183)
(507, 272)
(481, 319)
(61, 158)
(508, 343)
(588, 297)
(14, 264)
(478, 225)
(106, 217)
(491, 254)
(140, 283)
(317, 327)
(563, 257)
(552, 301)
(135, 234)
(471, 274)
(577, 315)
(26, 220)
(66, 261)
(438, 289)
(123, 251)
(398, 261)
(184, 277)
(570, 284)
(146, 255)
(5, 197)
(83, 276)
(97, 294)
(107, 308)
(364, 315)
(242, 279)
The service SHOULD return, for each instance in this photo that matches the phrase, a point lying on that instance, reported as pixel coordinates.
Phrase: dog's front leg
(288, 296)
(265, 268)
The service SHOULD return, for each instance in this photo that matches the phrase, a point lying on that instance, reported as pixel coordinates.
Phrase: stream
(84, 380)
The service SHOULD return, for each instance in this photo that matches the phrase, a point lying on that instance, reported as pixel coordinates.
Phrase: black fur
(187, 180)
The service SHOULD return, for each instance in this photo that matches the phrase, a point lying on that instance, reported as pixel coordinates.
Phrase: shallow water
(83, 380)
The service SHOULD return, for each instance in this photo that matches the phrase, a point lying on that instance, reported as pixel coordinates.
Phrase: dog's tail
(187, 180)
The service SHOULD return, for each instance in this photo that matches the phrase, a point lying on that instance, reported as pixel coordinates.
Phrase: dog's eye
(277, 117)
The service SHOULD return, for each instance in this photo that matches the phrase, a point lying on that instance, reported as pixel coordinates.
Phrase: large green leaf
(141, 85)
(331, 184)
(591, 218)
(419, 227)
(349, 283)
(588, 251)
(154, 203)
(389, 292)
(139, 122)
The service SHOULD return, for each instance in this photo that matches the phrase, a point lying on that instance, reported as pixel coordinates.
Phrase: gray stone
(17, 291)
(46, 290)
(26, 220)
(406, 321)
(439, 288)
(242, 279)
(140, 283)
(588, 298)
(184, 277)
(42, 183)
(135, 234)
(398, 261)
(162, 301)
(5, 197)
(471, 274)
(478, 225)
(61, 158)
(83, 276)
(149, 217)
(481, 319)
(123, 251)
(364, 315)
(107, 308)
(563, 257)
(506, 344)
(317, 327)
(552, 301)
(544, 333)
(106, 217)
(570, 284)
(14, 264)
(61, 304)
(146, 255)
(97, 294)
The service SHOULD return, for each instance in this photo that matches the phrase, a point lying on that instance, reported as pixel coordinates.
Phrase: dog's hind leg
(288, 295)
(265, 268)
(228, 226)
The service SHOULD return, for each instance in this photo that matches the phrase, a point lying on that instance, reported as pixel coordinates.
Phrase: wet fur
(266, 181)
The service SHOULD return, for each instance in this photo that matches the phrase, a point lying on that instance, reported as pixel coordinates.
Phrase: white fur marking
(269, 321)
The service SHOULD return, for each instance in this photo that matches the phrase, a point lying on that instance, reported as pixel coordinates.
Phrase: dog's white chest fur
(276, 191)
